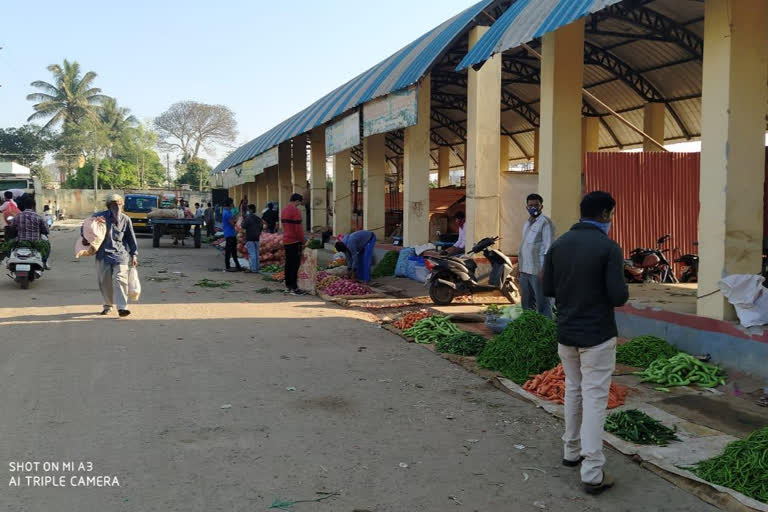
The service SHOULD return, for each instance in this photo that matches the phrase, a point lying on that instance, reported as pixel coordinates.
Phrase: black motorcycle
(690, 264)
(451, 276)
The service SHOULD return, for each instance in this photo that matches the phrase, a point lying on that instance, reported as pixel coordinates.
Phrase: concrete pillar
(342, 188)
(416, 171)
(261, 194)
(299, 167)
(653, 125)
(536, 143)
(590, 134)
(284, 178)
(272, 189)
(503, 154)
(375, 166)
(319, 180)
(562, 73)
(735, 72)
(443, 166)
(483, 146)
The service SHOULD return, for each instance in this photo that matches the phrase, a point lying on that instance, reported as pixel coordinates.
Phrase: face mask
(533, 211)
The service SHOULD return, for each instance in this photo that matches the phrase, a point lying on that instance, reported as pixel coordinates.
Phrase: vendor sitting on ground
(460, 246)
(358, 247)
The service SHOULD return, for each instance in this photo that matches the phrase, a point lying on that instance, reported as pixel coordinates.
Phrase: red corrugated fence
(656, 194)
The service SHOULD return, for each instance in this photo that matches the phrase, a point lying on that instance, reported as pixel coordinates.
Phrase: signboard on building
(264, 160)
(392, 112)
(343, 134)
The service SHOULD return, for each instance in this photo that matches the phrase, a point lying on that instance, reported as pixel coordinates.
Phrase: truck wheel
(155, 237)
(198, 237)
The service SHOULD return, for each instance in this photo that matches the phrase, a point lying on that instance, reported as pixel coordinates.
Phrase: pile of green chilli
(528, 346)
(683, 370)
(644, 350)
(639, 428)
(432, 329)
(464, 344)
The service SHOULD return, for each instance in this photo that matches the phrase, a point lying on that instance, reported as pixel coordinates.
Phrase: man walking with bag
(584, 271)
(117, 253)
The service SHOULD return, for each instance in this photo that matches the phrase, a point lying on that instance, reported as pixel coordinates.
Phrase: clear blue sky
(266, 60)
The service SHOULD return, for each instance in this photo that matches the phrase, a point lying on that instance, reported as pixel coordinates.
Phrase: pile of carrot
(409, 319)
(550, 385)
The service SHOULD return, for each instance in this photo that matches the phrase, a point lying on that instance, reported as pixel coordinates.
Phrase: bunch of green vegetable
(527, 346)
(208, 283)
(464, 344)
(271, 269)
(386, 267)
(682, 370)
(315, 244)
(639, 428)
(644, 350)
(41, 246)
(743, 466)
(432, 329)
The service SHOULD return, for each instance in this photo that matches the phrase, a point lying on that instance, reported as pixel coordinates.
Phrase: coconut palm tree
(69, 98)
(117, 121)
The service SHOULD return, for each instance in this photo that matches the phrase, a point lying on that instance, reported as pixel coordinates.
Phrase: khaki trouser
(588, 374)
(113, 283)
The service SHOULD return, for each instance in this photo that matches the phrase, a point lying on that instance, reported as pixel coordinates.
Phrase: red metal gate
(656, 194)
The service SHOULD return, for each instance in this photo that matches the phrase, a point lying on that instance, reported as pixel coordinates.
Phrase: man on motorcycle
(538, 234)
(30, 227)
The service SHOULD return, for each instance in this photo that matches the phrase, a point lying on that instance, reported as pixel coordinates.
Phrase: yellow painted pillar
(284, 178)
(416, 171)
(319, 180)
(273, 191)
(444, 166)
(734, 96)
(342, 188)
(503, 154)
(483, 146)
(261, 198)
(299, 168)
(590, 134)
(536, 143)
(375, 167)
(653, 125)
(562, 73)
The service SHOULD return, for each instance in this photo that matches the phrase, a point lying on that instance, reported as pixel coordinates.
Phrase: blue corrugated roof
(526, 20)
(397, 72)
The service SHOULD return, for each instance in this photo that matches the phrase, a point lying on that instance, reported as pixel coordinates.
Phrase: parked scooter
(24, 264)
(649, 265)
(451, 277)
(690, 264)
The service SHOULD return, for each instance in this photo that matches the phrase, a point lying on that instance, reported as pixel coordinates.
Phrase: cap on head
(114, 198)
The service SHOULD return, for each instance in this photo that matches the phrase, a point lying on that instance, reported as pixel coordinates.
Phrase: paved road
(226, 400)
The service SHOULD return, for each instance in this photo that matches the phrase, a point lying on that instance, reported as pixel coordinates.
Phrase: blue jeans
(253, 253)
(533, 295)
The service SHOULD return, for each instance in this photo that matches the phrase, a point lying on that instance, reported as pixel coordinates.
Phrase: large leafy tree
(69, 99)
(118, 122)
(195, 172)
(188, 127)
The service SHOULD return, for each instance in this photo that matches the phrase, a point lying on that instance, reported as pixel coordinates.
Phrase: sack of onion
(346, 287)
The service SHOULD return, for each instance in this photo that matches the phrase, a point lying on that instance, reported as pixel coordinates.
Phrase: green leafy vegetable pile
(528, 346)
(683, 370)
(207, 283)
(639, 428)
(386, 267)
(271, 269)
(743, 466)
(432, 329)
(315, 244)
(464, 344)
(644, 350)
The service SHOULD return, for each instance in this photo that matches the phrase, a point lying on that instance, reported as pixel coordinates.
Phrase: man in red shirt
(293, 240)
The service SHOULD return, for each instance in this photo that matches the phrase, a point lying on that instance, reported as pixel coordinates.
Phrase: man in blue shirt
(230, 235)
(117, 252)
(358, 247)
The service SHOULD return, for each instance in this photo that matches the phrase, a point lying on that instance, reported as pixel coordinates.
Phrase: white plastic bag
(134, 285)
(748, 296)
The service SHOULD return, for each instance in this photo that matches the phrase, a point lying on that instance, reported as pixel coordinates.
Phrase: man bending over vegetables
(358, 247)
(583, 271)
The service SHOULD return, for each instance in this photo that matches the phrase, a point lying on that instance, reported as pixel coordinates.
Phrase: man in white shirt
(538, 234)
(460, 246)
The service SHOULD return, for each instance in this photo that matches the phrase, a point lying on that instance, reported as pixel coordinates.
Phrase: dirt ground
(211, 399)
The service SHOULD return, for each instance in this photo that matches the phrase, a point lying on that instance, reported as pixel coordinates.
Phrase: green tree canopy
(70, 98)
(195, 172)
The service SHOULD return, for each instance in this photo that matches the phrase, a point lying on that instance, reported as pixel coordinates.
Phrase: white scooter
(25, 265)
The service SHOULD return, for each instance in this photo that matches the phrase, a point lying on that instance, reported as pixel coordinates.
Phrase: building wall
(79, 203)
